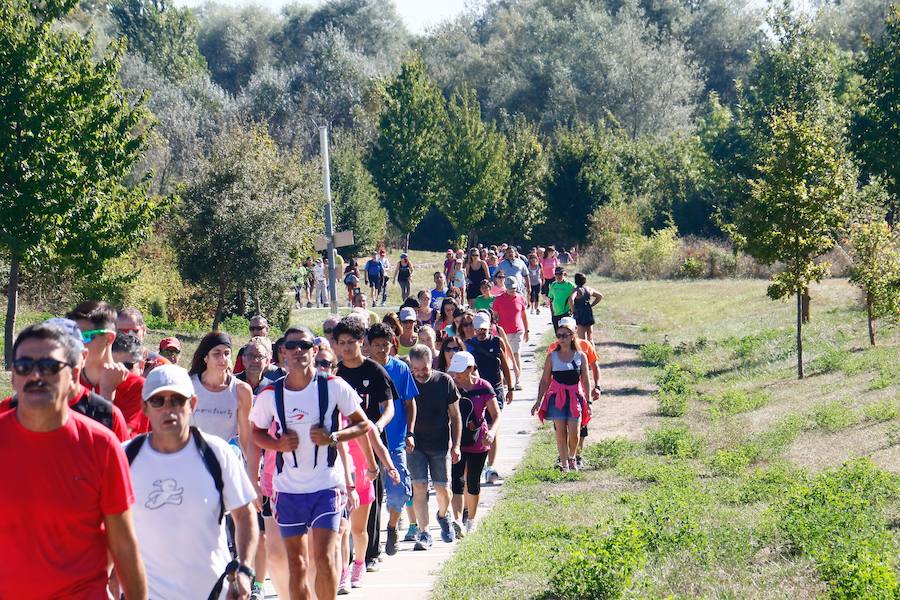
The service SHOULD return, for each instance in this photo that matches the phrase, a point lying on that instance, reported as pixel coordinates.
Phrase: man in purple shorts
(309, 478)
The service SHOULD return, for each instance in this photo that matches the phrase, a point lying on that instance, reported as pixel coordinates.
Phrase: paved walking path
(411, 575)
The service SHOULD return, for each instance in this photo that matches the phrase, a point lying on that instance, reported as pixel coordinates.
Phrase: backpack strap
(132, 449)
(212, 465)
(322, 384)
(282, 423)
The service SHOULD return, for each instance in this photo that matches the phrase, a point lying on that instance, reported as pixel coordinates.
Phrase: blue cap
(70, 327)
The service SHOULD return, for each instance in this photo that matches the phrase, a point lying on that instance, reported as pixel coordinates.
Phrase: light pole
(329, 224)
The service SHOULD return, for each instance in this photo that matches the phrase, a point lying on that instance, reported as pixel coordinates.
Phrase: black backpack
(322, 383)
(209, 460)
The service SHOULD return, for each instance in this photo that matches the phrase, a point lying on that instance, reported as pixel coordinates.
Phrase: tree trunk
(220, 307)
(406, 242)
(12, 305)
(799, 334)
(869, 318)
(806, 302)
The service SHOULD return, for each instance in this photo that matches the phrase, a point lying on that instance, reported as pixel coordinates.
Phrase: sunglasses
(45, 366)
(451, 349)
(325, 364)
(128, 365)
(170, 352)
(302, 344)
(160, 401)
(565, 334)
(257, 327)
(88, 336)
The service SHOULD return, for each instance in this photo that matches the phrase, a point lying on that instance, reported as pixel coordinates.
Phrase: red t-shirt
(128, 399)
(509, 310)
(119, 427)
(57, 488)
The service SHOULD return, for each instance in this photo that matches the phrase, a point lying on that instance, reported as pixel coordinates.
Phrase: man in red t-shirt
(512, 314)
(66, 495)
(101, 373)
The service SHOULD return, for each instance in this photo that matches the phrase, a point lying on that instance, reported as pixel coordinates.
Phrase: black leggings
(475, 463)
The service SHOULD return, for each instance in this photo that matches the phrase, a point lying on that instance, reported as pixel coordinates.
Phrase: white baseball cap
(460, 362)
(168, 378)
(567, 322)
(512, 284)
(407, 313)
(481, 322)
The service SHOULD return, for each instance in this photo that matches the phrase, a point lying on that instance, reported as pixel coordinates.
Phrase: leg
(324, 551)
(298, 565)
(359, 519)
(276, 559)
(260, 562)
(374, 522)
(572, 428)
(473, 481)
(561, 442)
(420, 500)
(458, 486)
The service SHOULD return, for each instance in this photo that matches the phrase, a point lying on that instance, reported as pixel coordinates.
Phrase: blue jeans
(398, 494)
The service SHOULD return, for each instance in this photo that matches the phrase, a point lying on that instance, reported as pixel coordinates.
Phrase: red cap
(169, 342)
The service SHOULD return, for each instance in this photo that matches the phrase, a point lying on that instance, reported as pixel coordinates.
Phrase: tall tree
(69, 139)
(356, 204)
(875, 132)
(164, 35)
(474, 168)
(406, 157)
(797, 205)
(876, 269)
(245, 217)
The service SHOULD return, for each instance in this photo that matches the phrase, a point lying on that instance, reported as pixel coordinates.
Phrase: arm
(585, 375)
(597, 296)
(494, 410)
(286, 443)
(572, 301)
(245, 437)
(507, 377)
(359, 425)
(525, 321)
(246, 537)
(383, 455)
(542, 385)
(396, 270)
(455, 431)
(366, 445)
(122, 544)
(352, 496)
(595, 375)
(410, 424)
(387, 413)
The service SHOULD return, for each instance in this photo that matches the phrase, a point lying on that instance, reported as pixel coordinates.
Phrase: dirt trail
(627, 406)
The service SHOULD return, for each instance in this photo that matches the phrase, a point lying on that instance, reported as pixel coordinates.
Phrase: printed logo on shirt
(297, 415)
(166, 492)
(365, 383)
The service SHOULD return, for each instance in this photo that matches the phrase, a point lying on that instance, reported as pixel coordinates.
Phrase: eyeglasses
(257, 327)
(45, 366)
(325, 364)
(302, 344)
(88, 336)
(128, 365)
(170, 352)
(564, 334)
(160, 401)
(248, 356)
(451, 349)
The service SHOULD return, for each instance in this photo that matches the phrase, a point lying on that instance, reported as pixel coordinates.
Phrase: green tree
(474, 168)
(355, 197)
(875, 132)
(797, 205)
(165, 36)
(405, 159)
(245, 218)
(876, 270)
(69, 139)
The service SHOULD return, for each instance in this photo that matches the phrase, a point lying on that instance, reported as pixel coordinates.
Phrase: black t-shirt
(487, 358)
(372, 383)
(432, 411)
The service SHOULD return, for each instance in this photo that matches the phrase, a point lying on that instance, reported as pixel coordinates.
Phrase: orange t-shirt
(583, 346)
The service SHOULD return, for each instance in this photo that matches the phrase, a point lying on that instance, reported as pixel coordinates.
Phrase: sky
(418, 14)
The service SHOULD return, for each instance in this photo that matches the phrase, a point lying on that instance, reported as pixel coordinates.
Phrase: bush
(882, 410)
(657, 354)
(671, 404)
(669, 516)
(833, 416)
(600, 567)
(642, 257)
(733, 461)
(768, 483)
(606, 454)
(674, 379)
(236, 325)
(673, 440)
(833, 359)
(734, 402)
(655, 469)
(692, 268)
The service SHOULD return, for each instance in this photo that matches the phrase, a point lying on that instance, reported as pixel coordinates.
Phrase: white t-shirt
(301, 410)
(176, 517)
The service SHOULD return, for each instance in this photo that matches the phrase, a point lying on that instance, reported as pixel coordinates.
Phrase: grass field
(743, 495)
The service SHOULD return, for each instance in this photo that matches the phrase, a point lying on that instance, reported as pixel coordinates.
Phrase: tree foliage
(69, 139)
(406, 157)
(876, 269)
(355, 198)
(246, 216)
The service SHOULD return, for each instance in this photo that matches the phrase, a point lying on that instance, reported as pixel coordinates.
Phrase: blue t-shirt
(399, 372)
(374, 269)
(437, 296)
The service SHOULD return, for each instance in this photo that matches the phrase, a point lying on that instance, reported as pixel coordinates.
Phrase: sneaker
(578, 462)
(390, 548)
(572, 465)
(517, 387)
(412, 533)
(257, 593)
(371, 567)
(470, 526)
(465, 515)
(357, 568)
(343, 587)
(424, 541)
(457, 529)
(447, 534)
(491, 476)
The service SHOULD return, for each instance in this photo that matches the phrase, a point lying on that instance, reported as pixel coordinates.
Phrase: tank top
(476, 276)
(216, 412)
(566, 373)
(403, 272)
(534, 275)
(584, 314)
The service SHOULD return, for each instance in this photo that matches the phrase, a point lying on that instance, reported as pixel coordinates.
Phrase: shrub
(882, 410)
(672, 404)
(767, 483)
(733, 461)
(833, 359)
(746, 347)
(674, 379)
(833, 416)
(733, 402)
(692, 268)
(600, 567)
(236, 325)
(673, 440)
(669, 516)
(655, 469)
(653, 257)
(657, 354)
(606, 454)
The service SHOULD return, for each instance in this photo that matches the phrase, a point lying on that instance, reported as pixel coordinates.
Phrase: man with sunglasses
(128, 351)
(130, 321)
(308, 505)
(101, 373)
(65, 504)
(170, 349)
(259, 327)
(177, 516)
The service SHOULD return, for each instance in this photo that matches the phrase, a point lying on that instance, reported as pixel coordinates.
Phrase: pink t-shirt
(509, 310)
(548, 267)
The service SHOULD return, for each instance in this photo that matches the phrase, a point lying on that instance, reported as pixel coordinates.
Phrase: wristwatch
(410, 434)
(236, 567)
(333, 438)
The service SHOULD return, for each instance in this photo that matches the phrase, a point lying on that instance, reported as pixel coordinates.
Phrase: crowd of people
(136, 477)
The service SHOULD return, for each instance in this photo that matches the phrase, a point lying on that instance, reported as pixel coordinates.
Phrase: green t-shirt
(482, 302)
(559, 293)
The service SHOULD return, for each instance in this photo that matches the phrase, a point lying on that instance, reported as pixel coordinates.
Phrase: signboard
(341, 239)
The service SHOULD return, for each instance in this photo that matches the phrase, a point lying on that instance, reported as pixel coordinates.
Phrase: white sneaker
(470, 526)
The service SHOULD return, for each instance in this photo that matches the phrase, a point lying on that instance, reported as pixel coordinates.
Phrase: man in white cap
(493, 367)
(408, 337)
(184, 482)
